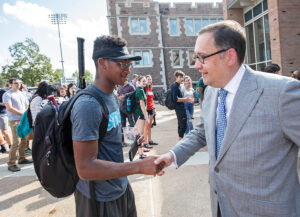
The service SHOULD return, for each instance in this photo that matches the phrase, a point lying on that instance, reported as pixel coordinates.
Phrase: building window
(176, 59)
(138, 25)
(145, 61)
(213, 21)
(258, 37)
(173, 27)
(191, 59)
(193, 26)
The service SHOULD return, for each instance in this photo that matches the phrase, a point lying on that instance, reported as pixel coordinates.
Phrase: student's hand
(140, 140)
(147, 166)
(163, 161)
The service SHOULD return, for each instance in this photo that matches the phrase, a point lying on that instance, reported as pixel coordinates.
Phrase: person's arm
(91, 168)
(200, 91)
(289, 112)
(12, 109)
(143, 108)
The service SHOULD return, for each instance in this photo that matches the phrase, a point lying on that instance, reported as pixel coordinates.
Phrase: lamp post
(59, 19)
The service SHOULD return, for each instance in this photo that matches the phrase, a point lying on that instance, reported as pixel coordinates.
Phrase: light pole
(59, 19)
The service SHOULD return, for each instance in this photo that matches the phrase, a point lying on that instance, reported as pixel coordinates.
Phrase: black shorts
(136, 117)
(150, 112)
(124, 206)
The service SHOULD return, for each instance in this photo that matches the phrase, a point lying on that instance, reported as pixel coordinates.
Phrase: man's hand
(163, 161)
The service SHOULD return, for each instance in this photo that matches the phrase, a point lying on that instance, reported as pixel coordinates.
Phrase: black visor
(117, 53)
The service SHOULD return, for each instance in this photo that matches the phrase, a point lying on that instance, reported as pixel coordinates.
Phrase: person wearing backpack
(103, 162)
(179, 106)
(122, 90)
(16, 104)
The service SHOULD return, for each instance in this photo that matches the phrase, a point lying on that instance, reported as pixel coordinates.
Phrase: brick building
(272, 30)
(162, 33)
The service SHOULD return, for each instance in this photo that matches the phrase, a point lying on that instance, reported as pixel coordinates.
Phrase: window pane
(197, 26)
(189, 27)
(134, 26)
(173, 27)
(261, 66)
(191, 54)
(143, 26)
(248, 16)
(250, 44)
(176, 58)
(257, 10)
(220, 19)
(259, 40)
(204, 22)
(137, 53)
(213, 21)
(265, 5)
(267, 36)
(146, 58)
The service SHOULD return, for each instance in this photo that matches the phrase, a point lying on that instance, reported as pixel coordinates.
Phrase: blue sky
(29, 18)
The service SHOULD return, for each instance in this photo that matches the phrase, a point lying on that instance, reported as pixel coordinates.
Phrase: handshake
(154, 165)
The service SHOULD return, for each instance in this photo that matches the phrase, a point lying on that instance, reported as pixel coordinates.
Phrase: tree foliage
(28, 63)
(57, 75)
(87, 75)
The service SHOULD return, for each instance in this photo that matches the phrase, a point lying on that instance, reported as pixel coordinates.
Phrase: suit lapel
(244, 101)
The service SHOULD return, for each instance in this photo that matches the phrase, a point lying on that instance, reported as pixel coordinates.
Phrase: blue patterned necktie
(221, 120)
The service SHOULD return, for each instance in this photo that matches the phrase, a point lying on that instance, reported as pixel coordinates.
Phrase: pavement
(182, 192)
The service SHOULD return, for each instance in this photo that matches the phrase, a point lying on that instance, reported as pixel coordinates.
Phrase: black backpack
(52, 147)
(128, 108)
(169, 102)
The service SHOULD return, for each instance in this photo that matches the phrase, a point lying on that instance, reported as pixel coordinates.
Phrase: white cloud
(3, 20)
(29, 13)
(36, 16)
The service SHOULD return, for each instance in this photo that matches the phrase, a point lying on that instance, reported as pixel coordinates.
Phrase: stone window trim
(150, 58)
(139, 18)
(177, 24)
(181, 60)
(188, 54)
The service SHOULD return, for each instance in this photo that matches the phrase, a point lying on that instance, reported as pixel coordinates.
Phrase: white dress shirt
(231, 87)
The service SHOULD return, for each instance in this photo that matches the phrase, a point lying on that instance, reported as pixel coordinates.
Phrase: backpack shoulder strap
(104, 122)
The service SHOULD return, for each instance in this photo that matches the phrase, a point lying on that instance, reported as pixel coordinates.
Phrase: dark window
(248, 16)
(257, 10)
(265, 5)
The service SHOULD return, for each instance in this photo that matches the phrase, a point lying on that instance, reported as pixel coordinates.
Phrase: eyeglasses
(202, 58)
(123, 65)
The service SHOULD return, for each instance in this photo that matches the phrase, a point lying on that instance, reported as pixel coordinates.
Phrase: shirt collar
(234, 83)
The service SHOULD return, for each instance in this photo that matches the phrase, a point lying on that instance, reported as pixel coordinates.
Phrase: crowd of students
(15, 100)
(144, 112)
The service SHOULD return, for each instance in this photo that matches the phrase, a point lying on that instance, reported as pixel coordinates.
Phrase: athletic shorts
(150, 112)
(124, 206)
(3, 122)
(136, 117)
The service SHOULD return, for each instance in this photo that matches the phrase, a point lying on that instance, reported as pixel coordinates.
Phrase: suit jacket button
(215, 192)
(217, 170)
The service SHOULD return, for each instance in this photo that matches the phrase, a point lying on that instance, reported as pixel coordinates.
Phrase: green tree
(57, 75)
(28, 63)
(87, 75)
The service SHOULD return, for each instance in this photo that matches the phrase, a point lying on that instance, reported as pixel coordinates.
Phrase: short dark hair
(107, 41)
(179, 73)
(228, 34)
(273, 68)
(11, 80)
